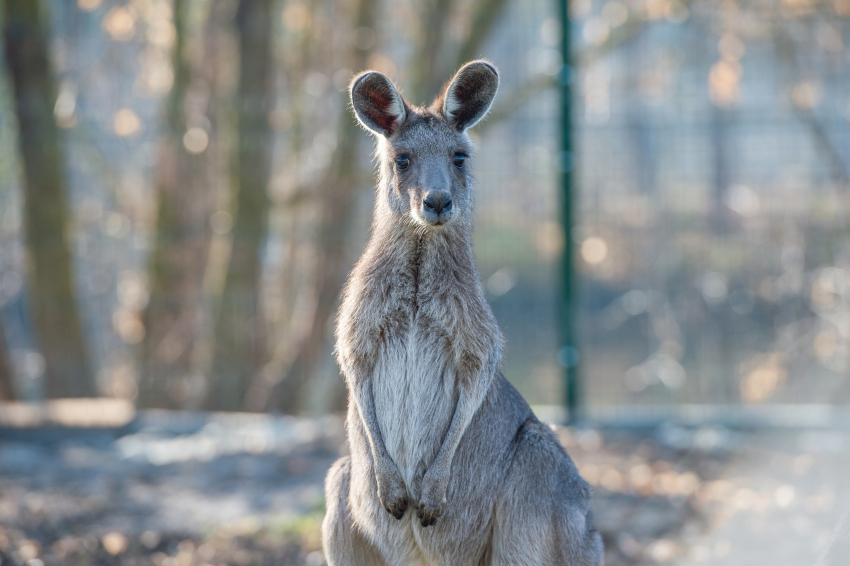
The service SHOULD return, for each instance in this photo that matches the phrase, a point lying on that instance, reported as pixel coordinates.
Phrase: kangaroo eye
(459, 159)
(402, 163)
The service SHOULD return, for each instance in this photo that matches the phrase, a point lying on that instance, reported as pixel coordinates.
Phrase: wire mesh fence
(713, 169)
(711, 174)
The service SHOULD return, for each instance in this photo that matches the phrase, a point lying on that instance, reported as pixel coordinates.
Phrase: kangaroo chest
(414, 390)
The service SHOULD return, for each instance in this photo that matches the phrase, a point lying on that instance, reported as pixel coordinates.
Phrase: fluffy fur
(448, 464)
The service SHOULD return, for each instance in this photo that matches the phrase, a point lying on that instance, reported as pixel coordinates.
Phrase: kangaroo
(448, 465)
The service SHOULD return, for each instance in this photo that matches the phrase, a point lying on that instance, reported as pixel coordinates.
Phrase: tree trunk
(240, 327)
(335, 200)
(426, 79)
(51, 287)
(7, 389)
(185, 201)
(485, 19)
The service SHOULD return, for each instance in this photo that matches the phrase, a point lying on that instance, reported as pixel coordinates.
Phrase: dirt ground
(183, 489)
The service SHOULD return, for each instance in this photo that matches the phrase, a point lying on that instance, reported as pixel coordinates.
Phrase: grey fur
(448, 464)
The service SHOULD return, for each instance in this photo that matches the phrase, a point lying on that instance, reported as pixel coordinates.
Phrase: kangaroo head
(424, 153)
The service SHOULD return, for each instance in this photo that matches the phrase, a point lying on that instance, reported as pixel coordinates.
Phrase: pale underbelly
(414, 391)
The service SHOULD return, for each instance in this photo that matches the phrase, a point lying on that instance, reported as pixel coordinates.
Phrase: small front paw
(392, 493)
(432, 499)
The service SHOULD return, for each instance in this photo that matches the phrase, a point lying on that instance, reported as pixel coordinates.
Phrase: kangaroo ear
(377, 103)
(470, 94)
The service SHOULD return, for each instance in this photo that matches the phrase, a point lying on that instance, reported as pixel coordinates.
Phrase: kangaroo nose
(438, 202)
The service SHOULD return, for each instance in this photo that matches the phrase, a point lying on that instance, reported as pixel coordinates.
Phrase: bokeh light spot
(125, 123)
(594, 250)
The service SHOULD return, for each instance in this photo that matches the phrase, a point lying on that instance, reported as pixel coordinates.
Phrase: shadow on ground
(180, 489)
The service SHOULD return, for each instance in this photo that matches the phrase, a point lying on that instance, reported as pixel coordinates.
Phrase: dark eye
(402, 163)
(459, 159)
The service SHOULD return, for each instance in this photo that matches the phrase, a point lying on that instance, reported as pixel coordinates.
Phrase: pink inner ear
(378, 109)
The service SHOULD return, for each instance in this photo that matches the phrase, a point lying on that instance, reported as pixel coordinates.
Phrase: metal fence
(710, 186)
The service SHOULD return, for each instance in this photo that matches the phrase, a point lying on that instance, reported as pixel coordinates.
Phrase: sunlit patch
(131, 290)
(589, 440)
(115, 543)
(615, 13)
(122, 380)
(611, 479)
(594, 250)
(724, 80)
(595, 31)
(296, 17)
(161, 33)
(128, 325)
(120, 23)
(784, 496)
(156, 75)
(715, 288)
(825, 344)
(661, 368)
(807, 94)
(550, 31)
(640, 478)
(663, 550)
(502, 281)
(676, 12)
(28, 550)
(125, 123)
(196, 140)
(549, 238)
(88, 5)
(763, 376)
(743, 200)
(66, 106)
(221, 222)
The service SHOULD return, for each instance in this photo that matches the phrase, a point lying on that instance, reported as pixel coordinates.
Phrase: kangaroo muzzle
(437, 208)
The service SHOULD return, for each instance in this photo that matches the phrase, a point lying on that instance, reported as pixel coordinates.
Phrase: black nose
(438, 202)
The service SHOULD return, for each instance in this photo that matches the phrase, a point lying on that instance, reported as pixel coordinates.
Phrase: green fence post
(568, 353)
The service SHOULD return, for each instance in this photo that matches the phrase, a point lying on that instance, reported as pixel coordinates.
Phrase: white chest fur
(414, 391)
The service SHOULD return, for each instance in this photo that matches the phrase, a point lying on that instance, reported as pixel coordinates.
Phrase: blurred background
(183, 190)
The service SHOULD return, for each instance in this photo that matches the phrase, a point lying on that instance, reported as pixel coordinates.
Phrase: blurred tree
(428, 74)
(7, 391)
(487, 15)
(240, 332)
(335, 197)
(336, 192)
(186, 199)
(426, 77)
(51, 287)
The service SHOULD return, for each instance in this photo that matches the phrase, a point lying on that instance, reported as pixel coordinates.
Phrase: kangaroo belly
(414, 391)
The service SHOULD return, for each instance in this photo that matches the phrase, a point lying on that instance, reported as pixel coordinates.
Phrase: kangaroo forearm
(435, 483)
(464, 411)
(365, 404)
(472, 393)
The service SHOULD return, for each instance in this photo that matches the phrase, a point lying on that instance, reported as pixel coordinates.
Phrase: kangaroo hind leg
(543, 517)
(343, 544)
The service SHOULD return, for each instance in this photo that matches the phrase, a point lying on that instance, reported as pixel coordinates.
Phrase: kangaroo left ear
(469, 95)
(377, 103)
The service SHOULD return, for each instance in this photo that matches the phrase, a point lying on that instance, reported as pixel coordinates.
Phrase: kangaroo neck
(422, 254)
(416, 266)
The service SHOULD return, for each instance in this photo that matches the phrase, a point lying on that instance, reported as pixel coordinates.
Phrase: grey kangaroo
(448, 464)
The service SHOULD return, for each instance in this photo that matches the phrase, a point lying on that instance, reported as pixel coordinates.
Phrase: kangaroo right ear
(377, 103)
(469, 95)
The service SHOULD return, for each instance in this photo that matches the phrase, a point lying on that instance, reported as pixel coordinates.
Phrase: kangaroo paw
(393, 494)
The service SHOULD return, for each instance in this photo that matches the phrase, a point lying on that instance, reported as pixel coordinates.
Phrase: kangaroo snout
(437, 207)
